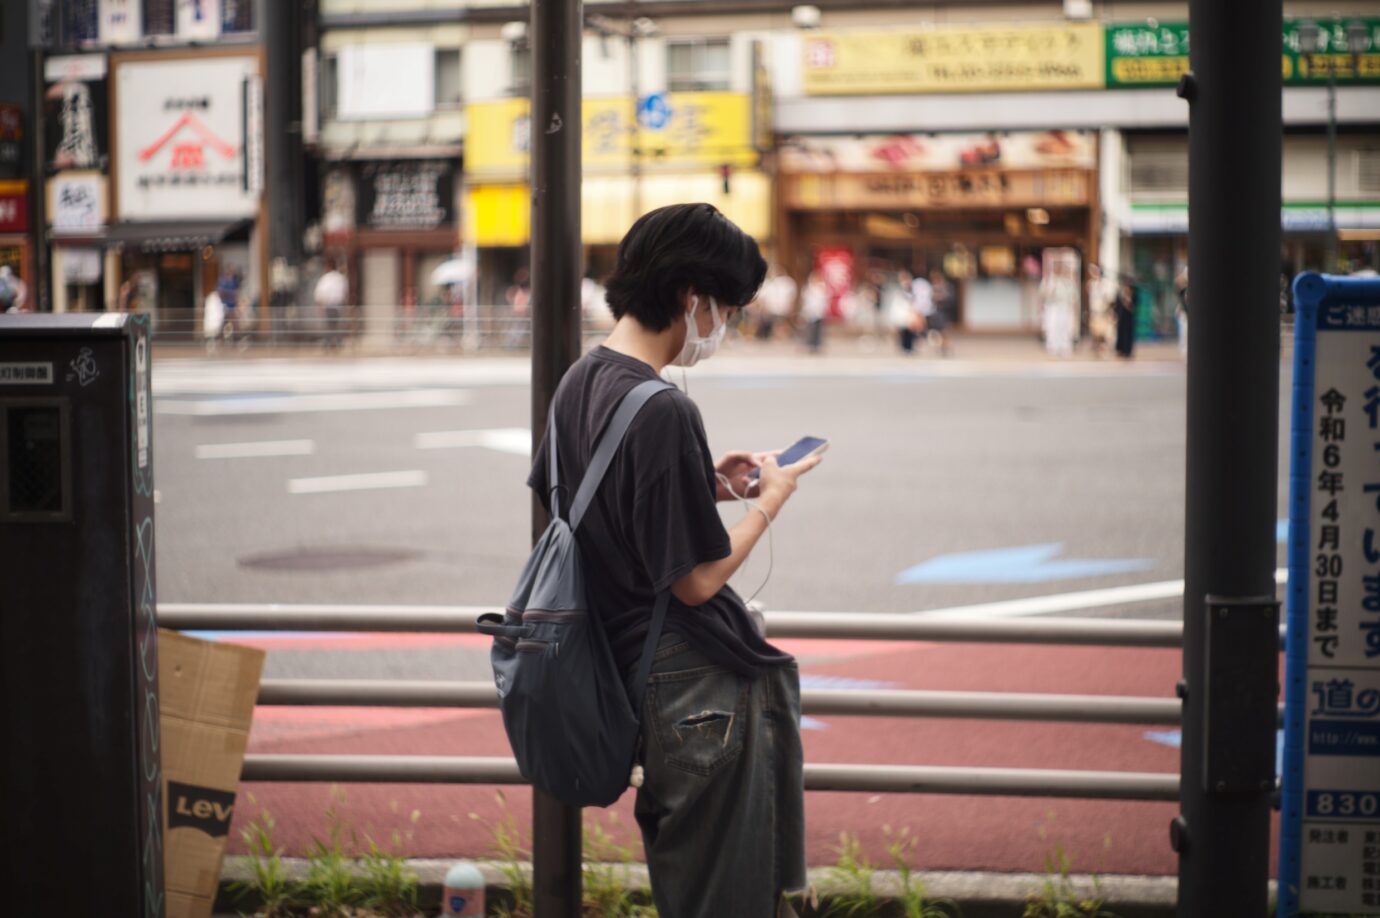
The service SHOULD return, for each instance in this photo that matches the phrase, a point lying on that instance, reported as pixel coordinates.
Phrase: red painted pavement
(993, 833)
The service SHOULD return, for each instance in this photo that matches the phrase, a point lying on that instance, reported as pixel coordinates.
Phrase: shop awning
(177, 235)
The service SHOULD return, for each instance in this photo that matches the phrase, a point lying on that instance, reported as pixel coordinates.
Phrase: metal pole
(1330, 260)
(635, 90)
(1234, 90)
(555, 35)
(282, 102)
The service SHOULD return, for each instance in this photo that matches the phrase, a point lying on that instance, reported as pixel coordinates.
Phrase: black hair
(677, 248)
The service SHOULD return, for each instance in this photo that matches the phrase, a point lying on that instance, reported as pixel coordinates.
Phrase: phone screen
(797, 451)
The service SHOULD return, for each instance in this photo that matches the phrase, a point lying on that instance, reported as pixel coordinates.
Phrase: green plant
(1057, 897)
(606, 870)
(510, 853)
(330, 883)
(857, 874)
(270, 888)
(386, 885)
(914, 901)
(854, 872)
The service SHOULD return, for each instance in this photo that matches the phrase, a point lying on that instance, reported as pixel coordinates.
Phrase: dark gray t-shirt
(653, 519)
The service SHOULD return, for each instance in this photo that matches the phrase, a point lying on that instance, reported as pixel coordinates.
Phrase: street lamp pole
(1330, 261)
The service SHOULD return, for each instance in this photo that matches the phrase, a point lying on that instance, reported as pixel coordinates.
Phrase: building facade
(153, 162)
(858, 139)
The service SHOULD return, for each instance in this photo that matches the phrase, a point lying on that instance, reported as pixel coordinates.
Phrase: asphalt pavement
(995, 482)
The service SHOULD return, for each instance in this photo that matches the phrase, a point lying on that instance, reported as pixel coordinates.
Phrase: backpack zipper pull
(637, 777)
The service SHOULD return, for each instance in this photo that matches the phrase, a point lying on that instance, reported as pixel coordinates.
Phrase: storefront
(1154, 218)
(693, 146)
(388, 225)
(187, 180)
(1152, 212)
(982, 208)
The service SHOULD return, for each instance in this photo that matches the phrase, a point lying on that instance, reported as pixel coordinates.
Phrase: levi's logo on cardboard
(203, 808)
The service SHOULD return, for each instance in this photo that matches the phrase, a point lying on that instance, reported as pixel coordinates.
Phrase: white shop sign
(181, 139)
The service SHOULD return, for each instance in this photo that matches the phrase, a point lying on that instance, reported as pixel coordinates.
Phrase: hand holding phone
(800, 450)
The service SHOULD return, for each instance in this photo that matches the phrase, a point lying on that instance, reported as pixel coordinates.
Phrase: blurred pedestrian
(1102, 292)
(922, 301)
(777, 301)
(1181, 314)
(1126, 316)
(14, 293)
(900, 312)
(212, 320)
(721, 802)
(814, 306)
(1059, 304)
(518, 296)
(945, 311)
(332, 290)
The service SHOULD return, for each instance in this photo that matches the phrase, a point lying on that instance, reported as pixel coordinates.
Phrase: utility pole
(1231, 619)
(282, 100)
(555, 38)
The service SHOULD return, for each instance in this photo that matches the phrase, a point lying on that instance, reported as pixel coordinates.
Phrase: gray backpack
(571, 720)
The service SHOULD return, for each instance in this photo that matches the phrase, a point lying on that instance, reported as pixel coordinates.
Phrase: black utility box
(80, 774)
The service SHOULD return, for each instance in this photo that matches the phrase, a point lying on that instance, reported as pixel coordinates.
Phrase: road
(990, 478)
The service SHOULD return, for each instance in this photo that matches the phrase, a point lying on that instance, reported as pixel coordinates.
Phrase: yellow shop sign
(691, 129)
(950, 59)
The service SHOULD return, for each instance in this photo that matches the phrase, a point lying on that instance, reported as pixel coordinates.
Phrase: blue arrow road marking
(1175, 738)
(1028, 564)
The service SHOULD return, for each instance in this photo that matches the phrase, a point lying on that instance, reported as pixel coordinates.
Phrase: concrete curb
(978, 894)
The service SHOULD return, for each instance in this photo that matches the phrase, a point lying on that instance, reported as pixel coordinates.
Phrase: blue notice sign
(654, 111)
(1330, 801)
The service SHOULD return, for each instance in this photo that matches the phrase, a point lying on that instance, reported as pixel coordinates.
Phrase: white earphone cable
(771, 549)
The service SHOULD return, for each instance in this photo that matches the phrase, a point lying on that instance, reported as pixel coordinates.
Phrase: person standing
(1102, 294)
(922, 301)
(944, 312)
(212, 320)
(900, 312)
(721, 805)
(1059, 301)
(14, 293)
(332, 290)
(814, 305)
(778, 302)
(1126, 317)
(1181, 314)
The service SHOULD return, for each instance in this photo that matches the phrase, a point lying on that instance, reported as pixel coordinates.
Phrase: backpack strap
(552, 478)
(644, 665)
(608, 445)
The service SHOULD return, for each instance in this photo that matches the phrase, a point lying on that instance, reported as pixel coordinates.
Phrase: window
(328, 87)
(237, 15)
(160, 17)
(520, 63)
(447, 75)
(697, 65)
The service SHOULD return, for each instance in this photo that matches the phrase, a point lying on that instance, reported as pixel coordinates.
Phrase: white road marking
(368, 481)
(325, 401)
(1068, 602)
(254, 450)
(515, 440)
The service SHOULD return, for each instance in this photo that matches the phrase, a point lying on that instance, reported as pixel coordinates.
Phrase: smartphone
(803, 448)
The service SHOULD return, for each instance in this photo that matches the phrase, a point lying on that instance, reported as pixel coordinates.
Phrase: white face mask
(696, 346)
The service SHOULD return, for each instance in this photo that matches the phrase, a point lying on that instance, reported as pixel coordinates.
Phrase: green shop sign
(1142, 54)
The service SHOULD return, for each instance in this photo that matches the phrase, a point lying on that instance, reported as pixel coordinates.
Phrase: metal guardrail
(836, 777)
(1084, 632)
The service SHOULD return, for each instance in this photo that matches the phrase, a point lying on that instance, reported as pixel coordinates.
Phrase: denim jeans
(722, 806)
